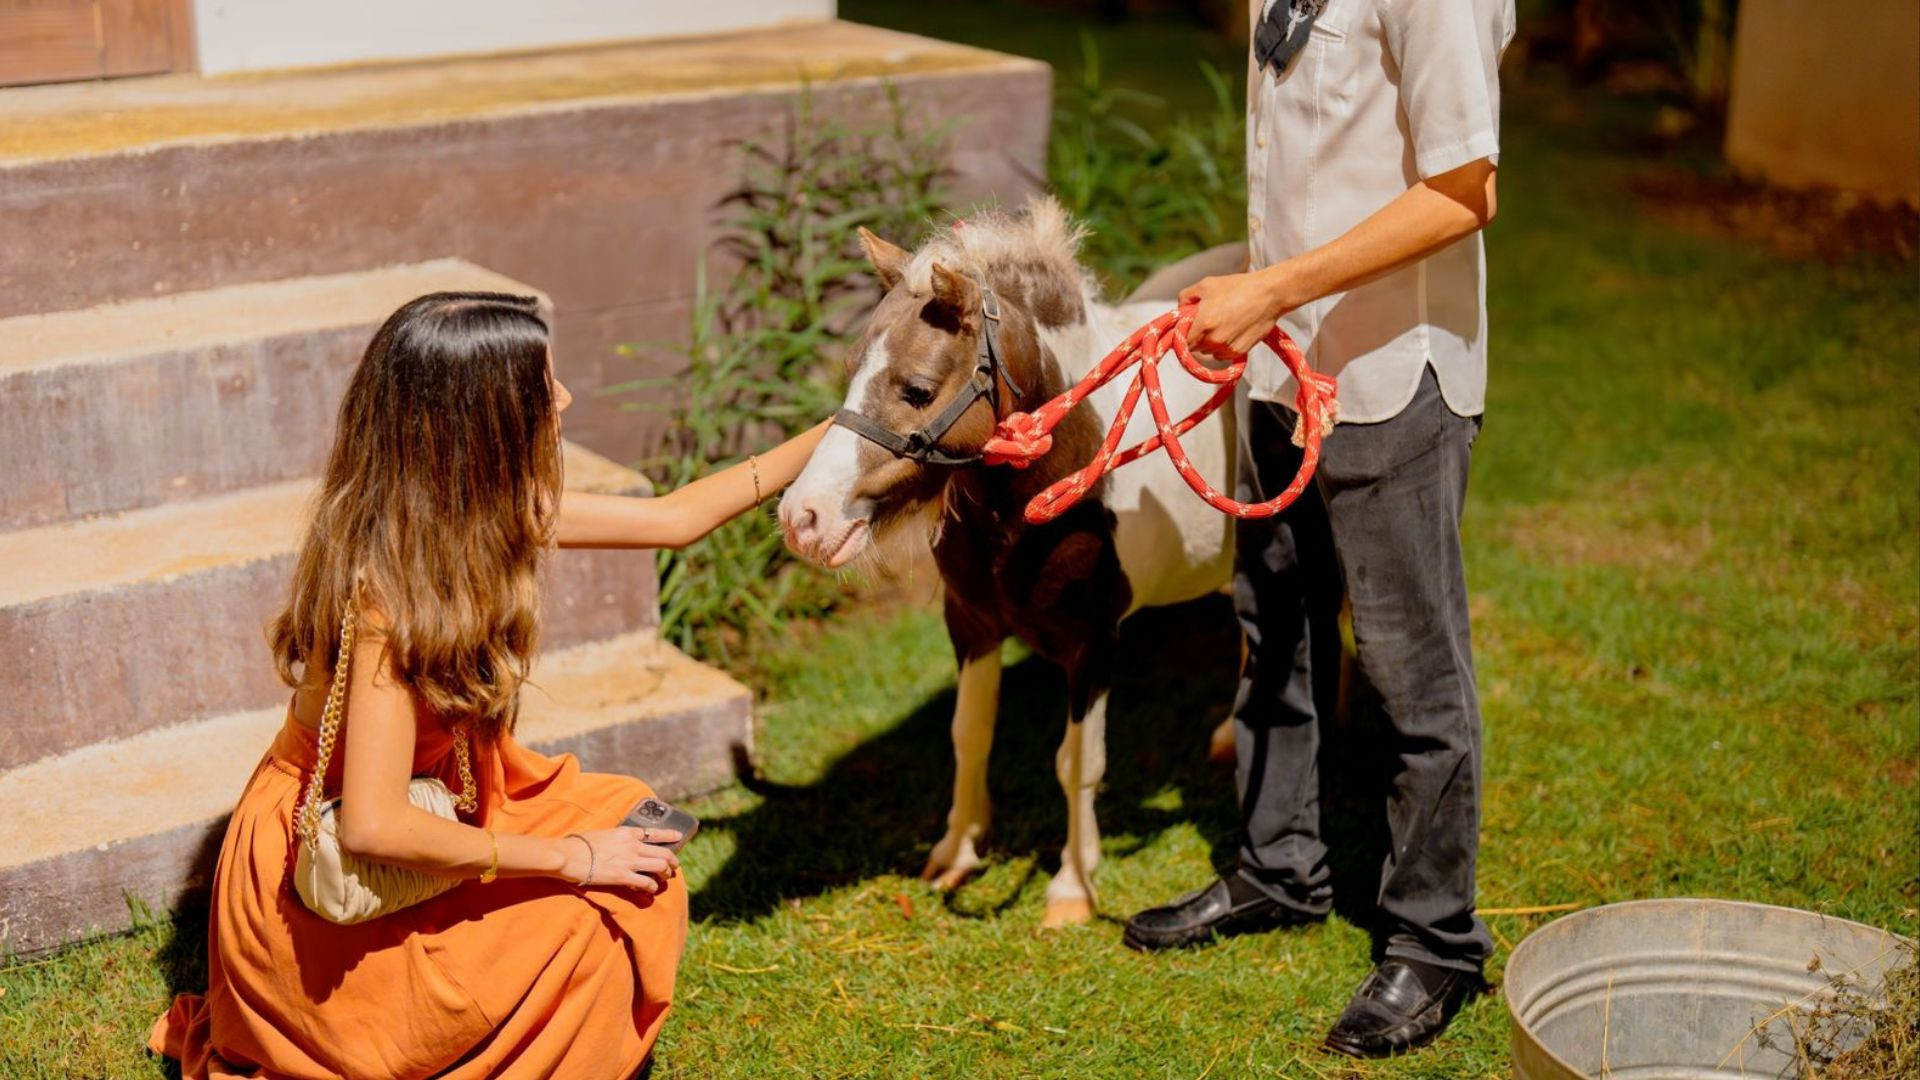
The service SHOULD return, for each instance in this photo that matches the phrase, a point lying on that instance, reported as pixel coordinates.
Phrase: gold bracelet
(493, 868)
(753, 465)
(590, 857)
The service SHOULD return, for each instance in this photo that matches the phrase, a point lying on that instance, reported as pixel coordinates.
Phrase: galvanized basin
(1681, 988)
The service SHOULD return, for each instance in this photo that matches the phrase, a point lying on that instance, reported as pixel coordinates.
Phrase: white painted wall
(252, 35)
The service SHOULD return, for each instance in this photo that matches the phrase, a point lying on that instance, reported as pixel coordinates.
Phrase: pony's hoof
(1076, 912)
(945, 878)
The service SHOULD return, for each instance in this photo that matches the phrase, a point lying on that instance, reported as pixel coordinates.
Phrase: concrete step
(123, 406)
(143, 817)
(121, 624)
(593, 171)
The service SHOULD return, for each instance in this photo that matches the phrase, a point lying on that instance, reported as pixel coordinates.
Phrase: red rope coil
(1023, 438)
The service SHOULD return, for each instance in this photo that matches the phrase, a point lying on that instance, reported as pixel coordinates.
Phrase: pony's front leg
(975, 706)
(1080, 764)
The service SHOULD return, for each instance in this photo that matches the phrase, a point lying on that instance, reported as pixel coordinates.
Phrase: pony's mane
(1039, 235)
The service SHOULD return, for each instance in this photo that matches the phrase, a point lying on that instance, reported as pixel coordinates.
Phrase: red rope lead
(1023, 438)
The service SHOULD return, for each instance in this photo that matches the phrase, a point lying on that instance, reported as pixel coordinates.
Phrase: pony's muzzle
(820, 533)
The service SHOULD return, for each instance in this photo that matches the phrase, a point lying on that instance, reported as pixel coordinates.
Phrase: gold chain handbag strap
(466, 802)
(307, 817)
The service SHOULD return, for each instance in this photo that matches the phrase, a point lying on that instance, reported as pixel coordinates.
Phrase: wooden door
(62, 40)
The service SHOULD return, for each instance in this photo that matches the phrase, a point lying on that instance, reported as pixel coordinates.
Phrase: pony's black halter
(921, 445)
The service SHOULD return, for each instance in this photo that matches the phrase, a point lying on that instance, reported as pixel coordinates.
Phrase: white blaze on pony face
(823, 521)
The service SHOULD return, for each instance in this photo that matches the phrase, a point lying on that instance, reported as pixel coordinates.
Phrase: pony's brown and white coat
(1063, 587)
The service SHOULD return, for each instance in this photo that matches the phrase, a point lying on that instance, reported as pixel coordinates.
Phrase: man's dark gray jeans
(1381, 525)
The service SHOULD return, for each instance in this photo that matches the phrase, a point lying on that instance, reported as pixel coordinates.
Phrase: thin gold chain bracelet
(591, 858)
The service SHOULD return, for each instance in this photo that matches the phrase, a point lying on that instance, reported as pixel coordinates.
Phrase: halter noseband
(921, 445)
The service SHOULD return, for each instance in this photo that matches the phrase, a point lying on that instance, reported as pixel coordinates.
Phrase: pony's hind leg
(975, 705)
(1080, 765)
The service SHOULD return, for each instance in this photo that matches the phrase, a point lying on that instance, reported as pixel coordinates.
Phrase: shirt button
(1253, 224)
(1260, 140)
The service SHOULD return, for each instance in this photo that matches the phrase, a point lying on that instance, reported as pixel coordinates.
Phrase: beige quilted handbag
(336, 884)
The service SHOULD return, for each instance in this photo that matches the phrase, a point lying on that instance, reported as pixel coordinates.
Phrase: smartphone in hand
(657, 814)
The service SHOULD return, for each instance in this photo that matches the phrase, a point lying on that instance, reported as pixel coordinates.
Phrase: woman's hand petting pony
(687, 513)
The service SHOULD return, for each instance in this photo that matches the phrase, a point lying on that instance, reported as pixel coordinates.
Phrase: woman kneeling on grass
(441, 497)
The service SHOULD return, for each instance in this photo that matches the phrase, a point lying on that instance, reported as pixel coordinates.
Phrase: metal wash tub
(1684, 988)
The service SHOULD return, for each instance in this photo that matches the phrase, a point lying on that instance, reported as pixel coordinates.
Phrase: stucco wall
(254, 35)
(1828, 98)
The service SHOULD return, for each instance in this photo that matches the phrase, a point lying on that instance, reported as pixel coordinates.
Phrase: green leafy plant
(762, 359)
(1150, 188)
(1700, 40)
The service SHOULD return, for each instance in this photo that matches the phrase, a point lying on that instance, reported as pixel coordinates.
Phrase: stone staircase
(595, 173)
(156, 457)
(189, 269)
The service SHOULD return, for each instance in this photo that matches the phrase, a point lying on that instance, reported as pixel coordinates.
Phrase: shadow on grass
(182, 955)
(176, 946)
(879, 808)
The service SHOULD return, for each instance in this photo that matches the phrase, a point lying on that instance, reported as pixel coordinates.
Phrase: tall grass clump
(1150, 187)
(763, 358)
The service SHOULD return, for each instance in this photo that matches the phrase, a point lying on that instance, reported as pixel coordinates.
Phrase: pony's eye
(916, 396)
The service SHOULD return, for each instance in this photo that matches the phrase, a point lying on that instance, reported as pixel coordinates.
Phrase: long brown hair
(436, 508)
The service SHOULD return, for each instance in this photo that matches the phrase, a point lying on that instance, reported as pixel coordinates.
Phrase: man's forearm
(1237, 310)
(1429, 216)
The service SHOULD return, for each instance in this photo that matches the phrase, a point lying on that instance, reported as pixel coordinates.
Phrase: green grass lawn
(1692, 543)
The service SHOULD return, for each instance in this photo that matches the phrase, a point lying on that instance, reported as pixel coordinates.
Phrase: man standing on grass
(1372, 141)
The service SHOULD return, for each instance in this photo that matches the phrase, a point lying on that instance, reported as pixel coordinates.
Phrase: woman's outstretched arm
(687, 513)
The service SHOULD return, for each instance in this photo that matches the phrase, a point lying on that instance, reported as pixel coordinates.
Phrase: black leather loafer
(1206, 913)
(1397, 1009)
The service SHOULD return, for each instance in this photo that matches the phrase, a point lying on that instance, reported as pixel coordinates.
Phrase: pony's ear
(956, 292)
(889, 260)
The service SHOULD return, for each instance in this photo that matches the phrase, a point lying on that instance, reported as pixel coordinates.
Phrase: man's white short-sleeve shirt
(1384, 93)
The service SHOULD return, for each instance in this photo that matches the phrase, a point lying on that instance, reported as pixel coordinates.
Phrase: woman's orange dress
(521, 977)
